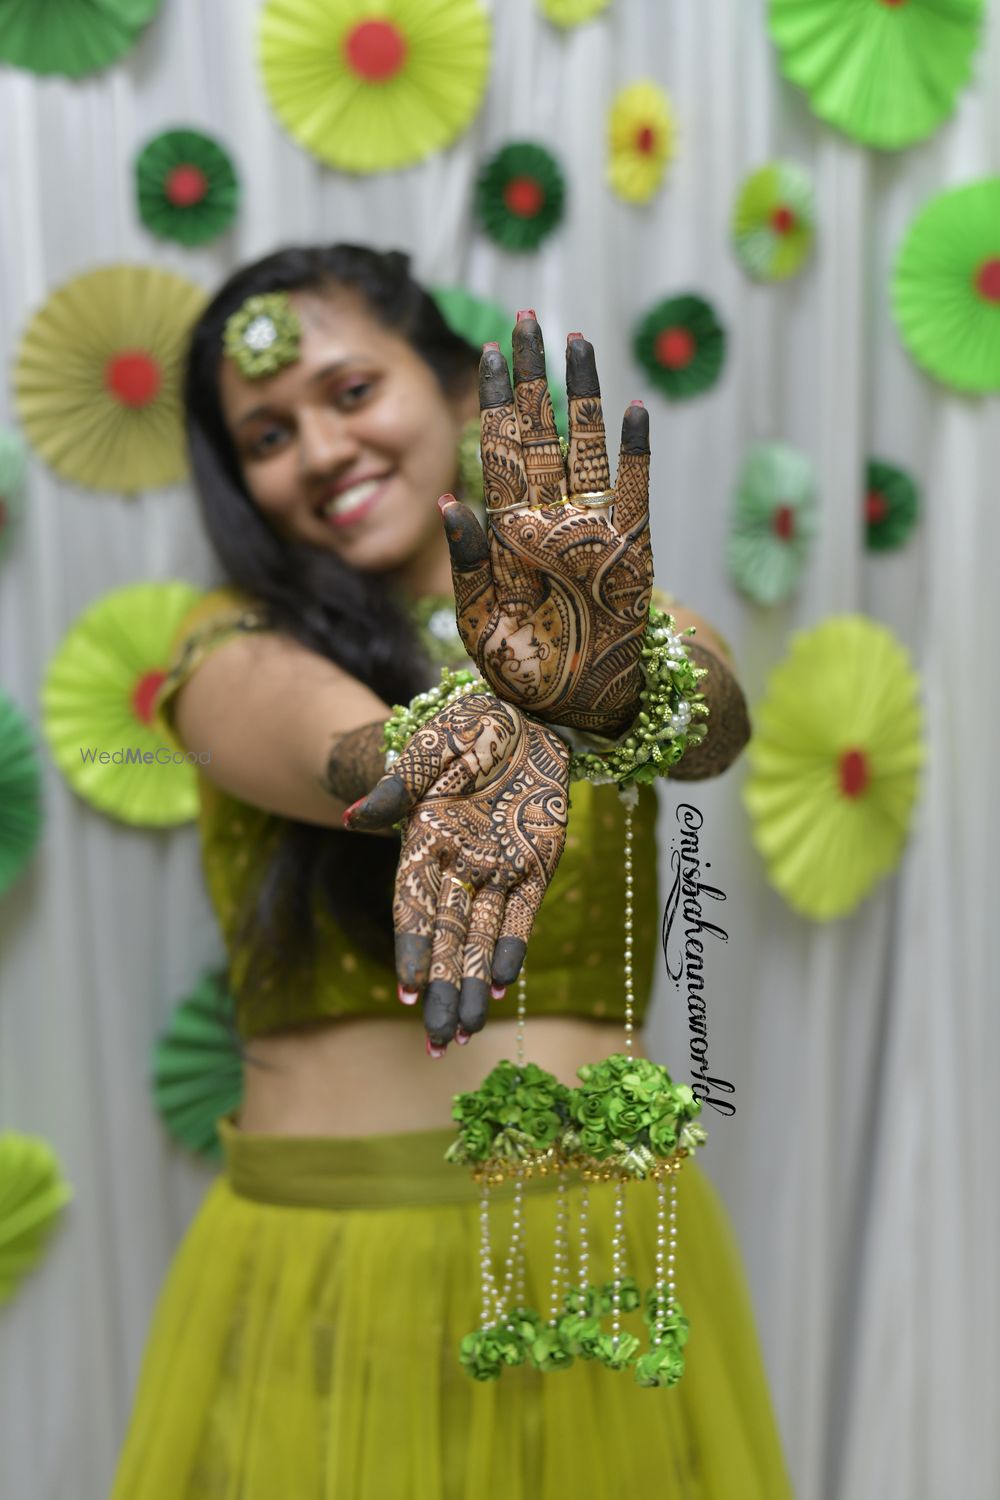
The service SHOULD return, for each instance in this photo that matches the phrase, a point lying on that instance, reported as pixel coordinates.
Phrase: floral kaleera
(641, 137)
(373, 85)
(187, 187)
(520, 195)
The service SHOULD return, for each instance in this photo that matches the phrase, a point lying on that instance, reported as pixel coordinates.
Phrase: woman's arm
(728, 721)
(287, 729)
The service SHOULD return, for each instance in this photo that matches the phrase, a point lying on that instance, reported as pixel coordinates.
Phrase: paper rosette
(97, 700)
(773, 221)
(20, 793)
(891, 504)
(773, 522)
(11, 483)
(65, 36)
(946, 289)
(681, 345)
(187, 187)
(480, 321)
(640, 141)
(520, 195)
(197, 1072)
(33, 1192)
(886, 72)
(98, 374)
(834, 757)
(370, 85)
(571, 12)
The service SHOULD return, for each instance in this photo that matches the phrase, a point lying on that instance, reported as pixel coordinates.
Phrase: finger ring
(591, 499)
(465, 884)
(498, 510)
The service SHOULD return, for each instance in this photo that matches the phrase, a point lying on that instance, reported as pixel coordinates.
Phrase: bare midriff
(371, 1075)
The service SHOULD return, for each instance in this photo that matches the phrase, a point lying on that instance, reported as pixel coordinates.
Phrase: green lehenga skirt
(304, 1346)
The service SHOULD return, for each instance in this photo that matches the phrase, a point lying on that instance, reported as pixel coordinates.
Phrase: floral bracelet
(655, 741)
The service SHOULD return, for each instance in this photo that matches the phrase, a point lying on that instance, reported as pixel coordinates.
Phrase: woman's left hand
(553, 605)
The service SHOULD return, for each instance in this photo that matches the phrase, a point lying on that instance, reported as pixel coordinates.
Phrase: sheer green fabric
(304, 1346)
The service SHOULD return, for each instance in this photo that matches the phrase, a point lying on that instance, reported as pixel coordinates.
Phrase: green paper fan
(480, 321)
(946, 288)
(98, 697)
(197, 1073)
(371, 85)
(33, 1192)
(12, 468)
(72, 37)
(891, 504)
(681, 345)
(187, 187)
(98, 377)
(20, 793)
(834, 756)
(773, 221)
(886, 72)
(773, 522)
(520, 195)
(571, 12)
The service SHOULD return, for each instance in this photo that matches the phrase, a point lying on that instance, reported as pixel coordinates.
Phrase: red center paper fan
(375, 50)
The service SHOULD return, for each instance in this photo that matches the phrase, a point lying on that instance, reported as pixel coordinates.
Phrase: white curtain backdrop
(859, 1168)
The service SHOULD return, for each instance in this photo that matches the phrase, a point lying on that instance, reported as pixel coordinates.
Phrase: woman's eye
(267, 442)
(352, 394)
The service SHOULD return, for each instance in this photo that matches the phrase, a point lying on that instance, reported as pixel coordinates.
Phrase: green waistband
(375, 1171)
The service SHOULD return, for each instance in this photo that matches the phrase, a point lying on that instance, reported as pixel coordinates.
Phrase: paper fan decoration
(640, 141)
(891, 504)
(65, 36)
(480, 321)
(886, 72)
(773, 221)
(834, 757)
(98, 373)
(370, 85)
(97, 703)
(12, 468)
(520, 195)
(946, 291)
(773, 522)
(571, 12)
(33, 1191)
(20, 793)
(197, 1071)
(681, 345)
(187, 187)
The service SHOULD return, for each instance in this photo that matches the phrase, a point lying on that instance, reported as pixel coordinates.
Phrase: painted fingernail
(526, 312)
(636, 402)
(444, 501)
(408, 997)
(461, 1036)
(498, 991)
(433, 1051)
(571, 336)
(346, 819)
(490, 346)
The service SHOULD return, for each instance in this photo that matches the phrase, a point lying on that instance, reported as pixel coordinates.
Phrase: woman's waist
(371, 1076)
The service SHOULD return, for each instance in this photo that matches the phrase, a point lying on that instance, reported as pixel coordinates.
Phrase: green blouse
(574, 961)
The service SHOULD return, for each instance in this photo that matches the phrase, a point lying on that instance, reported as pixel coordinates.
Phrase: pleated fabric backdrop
(860, 1165)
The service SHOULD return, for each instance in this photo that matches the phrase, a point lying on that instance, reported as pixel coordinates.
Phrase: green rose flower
(477, 1138)
(616, 1356)
(594, 1143)
(543, 1127)
(663, 1136)
(623, 1118)
(480, 1355)
(662, 1367)
(548, 1352)
(580, 1334)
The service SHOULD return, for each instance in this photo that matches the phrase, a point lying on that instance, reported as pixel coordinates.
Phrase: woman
(305, 1343)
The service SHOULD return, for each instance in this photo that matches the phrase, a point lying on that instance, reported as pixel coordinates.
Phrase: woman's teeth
(353, 499)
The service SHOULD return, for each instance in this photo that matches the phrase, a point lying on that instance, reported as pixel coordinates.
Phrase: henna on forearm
(728, 721)
(356, 761)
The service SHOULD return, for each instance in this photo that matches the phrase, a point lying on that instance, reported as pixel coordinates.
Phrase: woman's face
(349, 448)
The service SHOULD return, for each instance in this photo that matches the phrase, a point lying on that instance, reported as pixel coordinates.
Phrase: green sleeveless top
(575, 954)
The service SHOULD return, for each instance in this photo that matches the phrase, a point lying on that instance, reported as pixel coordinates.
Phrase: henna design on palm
(484, 792)
(553, 604)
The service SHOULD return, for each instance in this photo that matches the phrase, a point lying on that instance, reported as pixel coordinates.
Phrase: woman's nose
(326, 443)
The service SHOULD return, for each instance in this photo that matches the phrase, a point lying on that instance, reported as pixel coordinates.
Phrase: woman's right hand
(484, 792)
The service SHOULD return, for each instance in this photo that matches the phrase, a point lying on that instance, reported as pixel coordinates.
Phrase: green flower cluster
(515, 1114)
(486, 1352)
(629, 1114)
(407, 718)
(263, 335)
(664, 728)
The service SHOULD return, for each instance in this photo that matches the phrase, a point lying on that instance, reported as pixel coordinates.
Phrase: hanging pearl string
(560, 1253)
(672, 1247)
(583, 1248)
(629, 984)
(486, 1259)
(514, 1264)
(522, 1014)
(617, 1262)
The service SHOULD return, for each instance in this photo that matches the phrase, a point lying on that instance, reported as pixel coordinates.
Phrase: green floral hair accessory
(263, 335)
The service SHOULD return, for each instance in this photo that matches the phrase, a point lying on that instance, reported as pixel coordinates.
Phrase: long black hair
(312, 595)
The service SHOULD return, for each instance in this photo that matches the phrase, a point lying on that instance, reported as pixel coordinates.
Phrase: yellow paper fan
(98, 377)
(32, 1194)
(640, 140)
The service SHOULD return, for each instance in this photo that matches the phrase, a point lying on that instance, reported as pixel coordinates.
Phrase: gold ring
(592, 499)
(465, 884)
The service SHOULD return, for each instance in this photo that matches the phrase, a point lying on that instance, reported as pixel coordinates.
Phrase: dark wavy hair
(312, 595)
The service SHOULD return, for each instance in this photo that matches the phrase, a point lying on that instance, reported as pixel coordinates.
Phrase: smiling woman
(327, 1281)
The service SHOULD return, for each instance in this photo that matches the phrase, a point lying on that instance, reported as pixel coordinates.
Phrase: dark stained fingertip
(433, 1051)
(385, 804)
(349, 812)
(440, 1011)
(466, 542)
(473, 1004)
(413, 955)
(581, 369)
(529, 352)
(508, 956)
(635, 429)
(494, 379)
